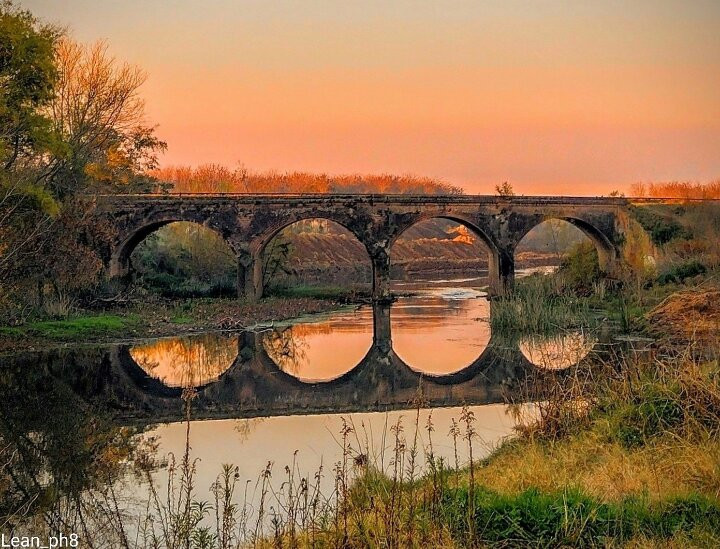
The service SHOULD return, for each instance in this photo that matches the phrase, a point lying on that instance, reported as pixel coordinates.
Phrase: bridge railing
(395, 197)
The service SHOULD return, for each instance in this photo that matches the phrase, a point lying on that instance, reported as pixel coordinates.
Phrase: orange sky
(554, 96)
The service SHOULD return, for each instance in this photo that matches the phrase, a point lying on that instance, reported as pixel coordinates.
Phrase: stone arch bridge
(249, 222)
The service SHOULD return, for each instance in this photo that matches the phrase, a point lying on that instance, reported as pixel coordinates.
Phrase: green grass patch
(181, 319)
(571, 518)
(10, 331)
(317, 292)
(81, 327)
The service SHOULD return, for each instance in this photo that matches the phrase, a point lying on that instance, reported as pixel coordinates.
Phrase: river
(291, 400)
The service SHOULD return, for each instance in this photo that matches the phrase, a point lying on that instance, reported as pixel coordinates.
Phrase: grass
(181, 319)
(572, 518)
(81, 327)
(337, 293)
(540, 304)
(10, 331)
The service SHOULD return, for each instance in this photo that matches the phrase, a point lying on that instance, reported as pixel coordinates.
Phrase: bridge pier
(501, 271)
(250, 276)
(381, 277)
(382, 337)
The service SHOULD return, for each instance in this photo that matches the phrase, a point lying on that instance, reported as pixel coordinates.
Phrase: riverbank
(625, 453)
(160, 318)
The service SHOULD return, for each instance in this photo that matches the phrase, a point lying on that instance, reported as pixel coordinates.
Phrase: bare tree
(101, 116)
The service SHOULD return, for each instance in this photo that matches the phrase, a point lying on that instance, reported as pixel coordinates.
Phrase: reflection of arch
(265, 358)
(558, 352)
(186, 361)
(152, 384)
(500, 269)
(481, 364)
(607, 253)
(261, 243)
(120, 259)
(255, 386)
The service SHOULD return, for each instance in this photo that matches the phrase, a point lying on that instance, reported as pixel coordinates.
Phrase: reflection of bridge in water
(255, 385)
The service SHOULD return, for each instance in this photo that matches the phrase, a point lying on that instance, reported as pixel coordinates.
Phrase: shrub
(580, 267)
(678, 273)
(662, 228)
(171, 286)
(649, 415)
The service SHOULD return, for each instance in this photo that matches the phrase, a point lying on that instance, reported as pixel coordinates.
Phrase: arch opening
(440, 270)
(314, 256)
(555, 241)
(179, 259)
(440, 248)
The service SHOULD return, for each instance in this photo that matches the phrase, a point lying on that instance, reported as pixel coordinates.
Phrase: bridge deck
(388, 198)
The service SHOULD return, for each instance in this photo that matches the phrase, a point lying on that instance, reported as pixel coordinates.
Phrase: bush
(678, 273)
(662, 228)
(172, 286)
(580, 267)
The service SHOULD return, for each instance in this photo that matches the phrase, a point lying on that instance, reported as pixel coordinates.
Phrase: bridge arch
(606, 250)
(500, 268)
(120, 266)
(254, 276)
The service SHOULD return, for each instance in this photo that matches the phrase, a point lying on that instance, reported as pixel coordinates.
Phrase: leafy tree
(71, 123)
(27, 78)
(27, 81)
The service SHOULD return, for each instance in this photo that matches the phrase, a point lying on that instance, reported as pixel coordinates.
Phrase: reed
(540, 304)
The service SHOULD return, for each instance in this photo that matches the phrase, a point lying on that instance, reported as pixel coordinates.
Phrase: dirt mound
(689, 316)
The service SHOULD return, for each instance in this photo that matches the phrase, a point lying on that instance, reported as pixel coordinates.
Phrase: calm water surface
(437, 331)
(280, 396)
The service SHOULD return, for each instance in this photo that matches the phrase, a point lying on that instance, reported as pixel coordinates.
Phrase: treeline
(677, 189)
(215, 178)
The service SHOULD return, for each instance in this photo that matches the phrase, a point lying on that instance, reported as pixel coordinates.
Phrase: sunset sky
(571, 97)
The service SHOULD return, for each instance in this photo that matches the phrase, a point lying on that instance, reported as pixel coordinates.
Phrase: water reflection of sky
(188, 361)
(441, 331)
(323, 349)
